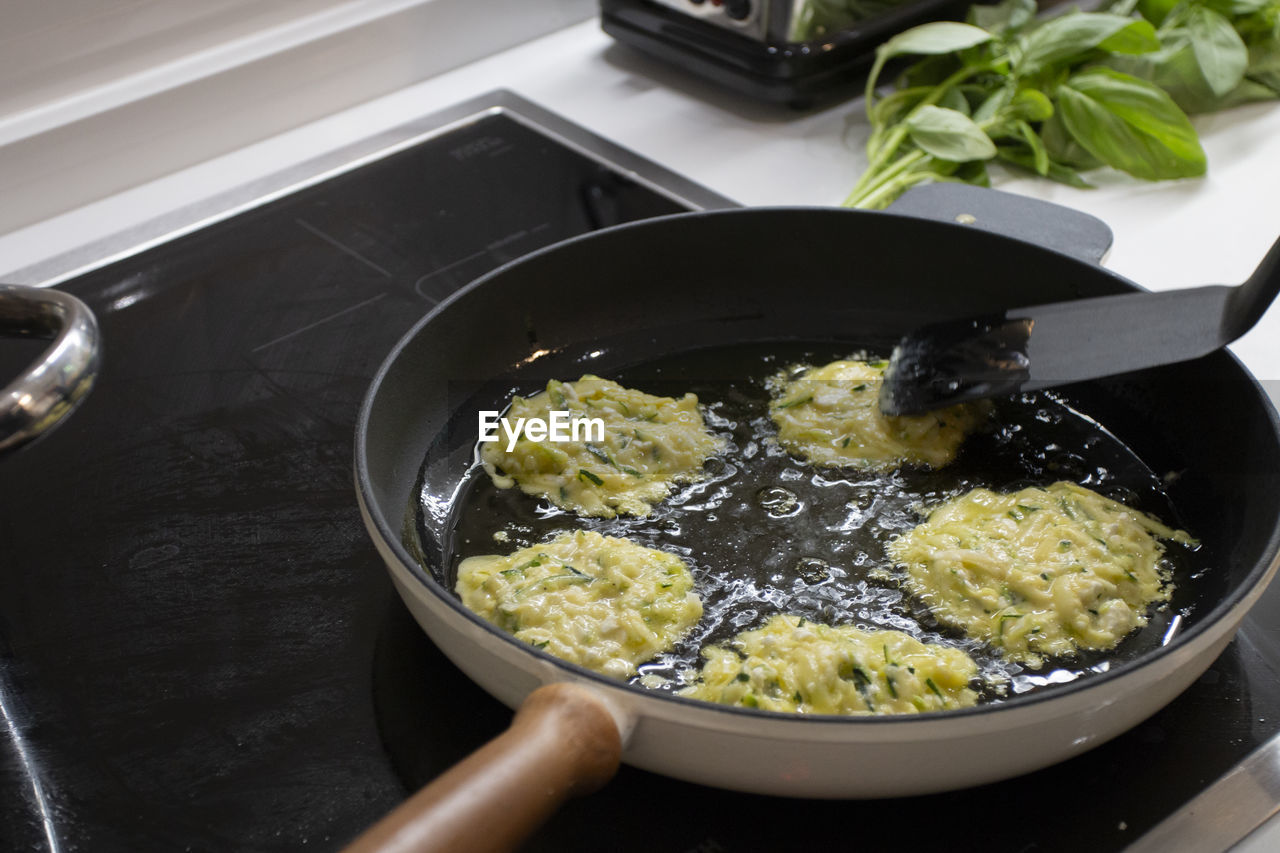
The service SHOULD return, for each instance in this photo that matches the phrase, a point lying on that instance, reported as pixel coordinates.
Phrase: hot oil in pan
(766, 533)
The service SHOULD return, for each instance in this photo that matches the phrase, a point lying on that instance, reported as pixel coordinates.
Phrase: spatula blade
(1043, 346)
(951, 362)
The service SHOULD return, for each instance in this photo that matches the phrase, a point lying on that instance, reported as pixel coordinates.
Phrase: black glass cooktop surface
(200, 648)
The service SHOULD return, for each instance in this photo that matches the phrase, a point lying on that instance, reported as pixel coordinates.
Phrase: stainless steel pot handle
(56, 383)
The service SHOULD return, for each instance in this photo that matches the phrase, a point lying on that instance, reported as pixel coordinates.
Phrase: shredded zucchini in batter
(1038, 572)
(791, 664)
(831, 416)
(649, 444)
(605, 603)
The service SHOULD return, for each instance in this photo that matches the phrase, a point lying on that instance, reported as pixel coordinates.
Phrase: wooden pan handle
(562, 742)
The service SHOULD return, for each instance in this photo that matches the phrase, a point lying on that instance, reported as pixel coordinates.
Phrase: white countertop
(1169, 234)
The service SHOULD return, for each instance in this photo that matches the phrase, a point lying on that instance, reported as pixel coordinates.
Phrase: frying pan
(604, 301)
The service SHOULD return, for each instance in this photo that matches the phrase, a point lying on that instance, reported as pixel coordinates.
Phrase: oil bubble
(813, 569)
(778, 501)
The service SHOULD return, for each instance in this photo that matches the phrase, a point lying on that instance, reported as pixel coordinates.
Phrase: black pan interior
(622, 300)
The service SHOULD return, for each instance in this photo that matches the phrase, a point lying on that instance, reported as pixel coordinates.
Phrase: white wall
(57, 49)
(97, 96)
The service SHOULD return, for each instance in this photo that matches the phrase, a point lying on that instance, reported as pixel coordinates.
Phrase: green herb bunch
(1064, 95)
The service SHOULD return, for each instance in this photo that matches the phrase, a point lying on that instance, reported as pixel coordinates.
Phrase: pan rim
(1204, 630)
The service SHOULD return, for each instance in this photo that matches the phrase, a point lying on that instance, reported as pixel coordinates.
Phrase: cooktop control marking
(418, 286)
(341, 246)
(320, 322)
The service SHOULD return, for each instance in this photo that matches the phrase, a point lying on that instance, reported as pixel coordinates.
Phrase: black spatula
(1024, 349)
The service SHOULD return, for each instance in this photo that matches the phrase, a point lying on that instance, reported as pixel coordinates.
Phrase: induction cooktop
(200, 649)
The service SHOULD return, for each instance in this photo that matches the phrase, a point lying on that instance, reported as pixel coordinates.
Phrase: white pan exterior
(829, 757)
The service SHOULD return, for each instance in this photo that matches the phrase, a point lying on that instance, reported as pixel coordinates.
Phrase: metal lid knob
(54, 385)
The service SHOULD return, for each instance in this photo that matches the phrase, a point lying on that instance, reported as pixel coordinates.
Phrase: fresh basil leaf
(1003, 17)
(998, 129)
(1249, 92)
(1039, 156)
(943, 169)
(1130, 124)
(954, 99)
(1022, 158)
(1237, 7)
(1264, 65)
(1031, 105)
(949, 135)
(929, 71)
(1262, 35)
(995, 102)
(1010, 102)
(933, 38)
(1072, 36)
(894, 106)
(1218, 48)
(1062, 146)
(822, 19)
(1173, 68)
(974, 172)
(1176, 70)
(1139, 37)
(1156, 11)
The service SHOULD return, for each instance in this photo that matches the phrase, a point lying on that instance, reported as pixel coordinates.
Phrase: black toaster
(796, 52)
